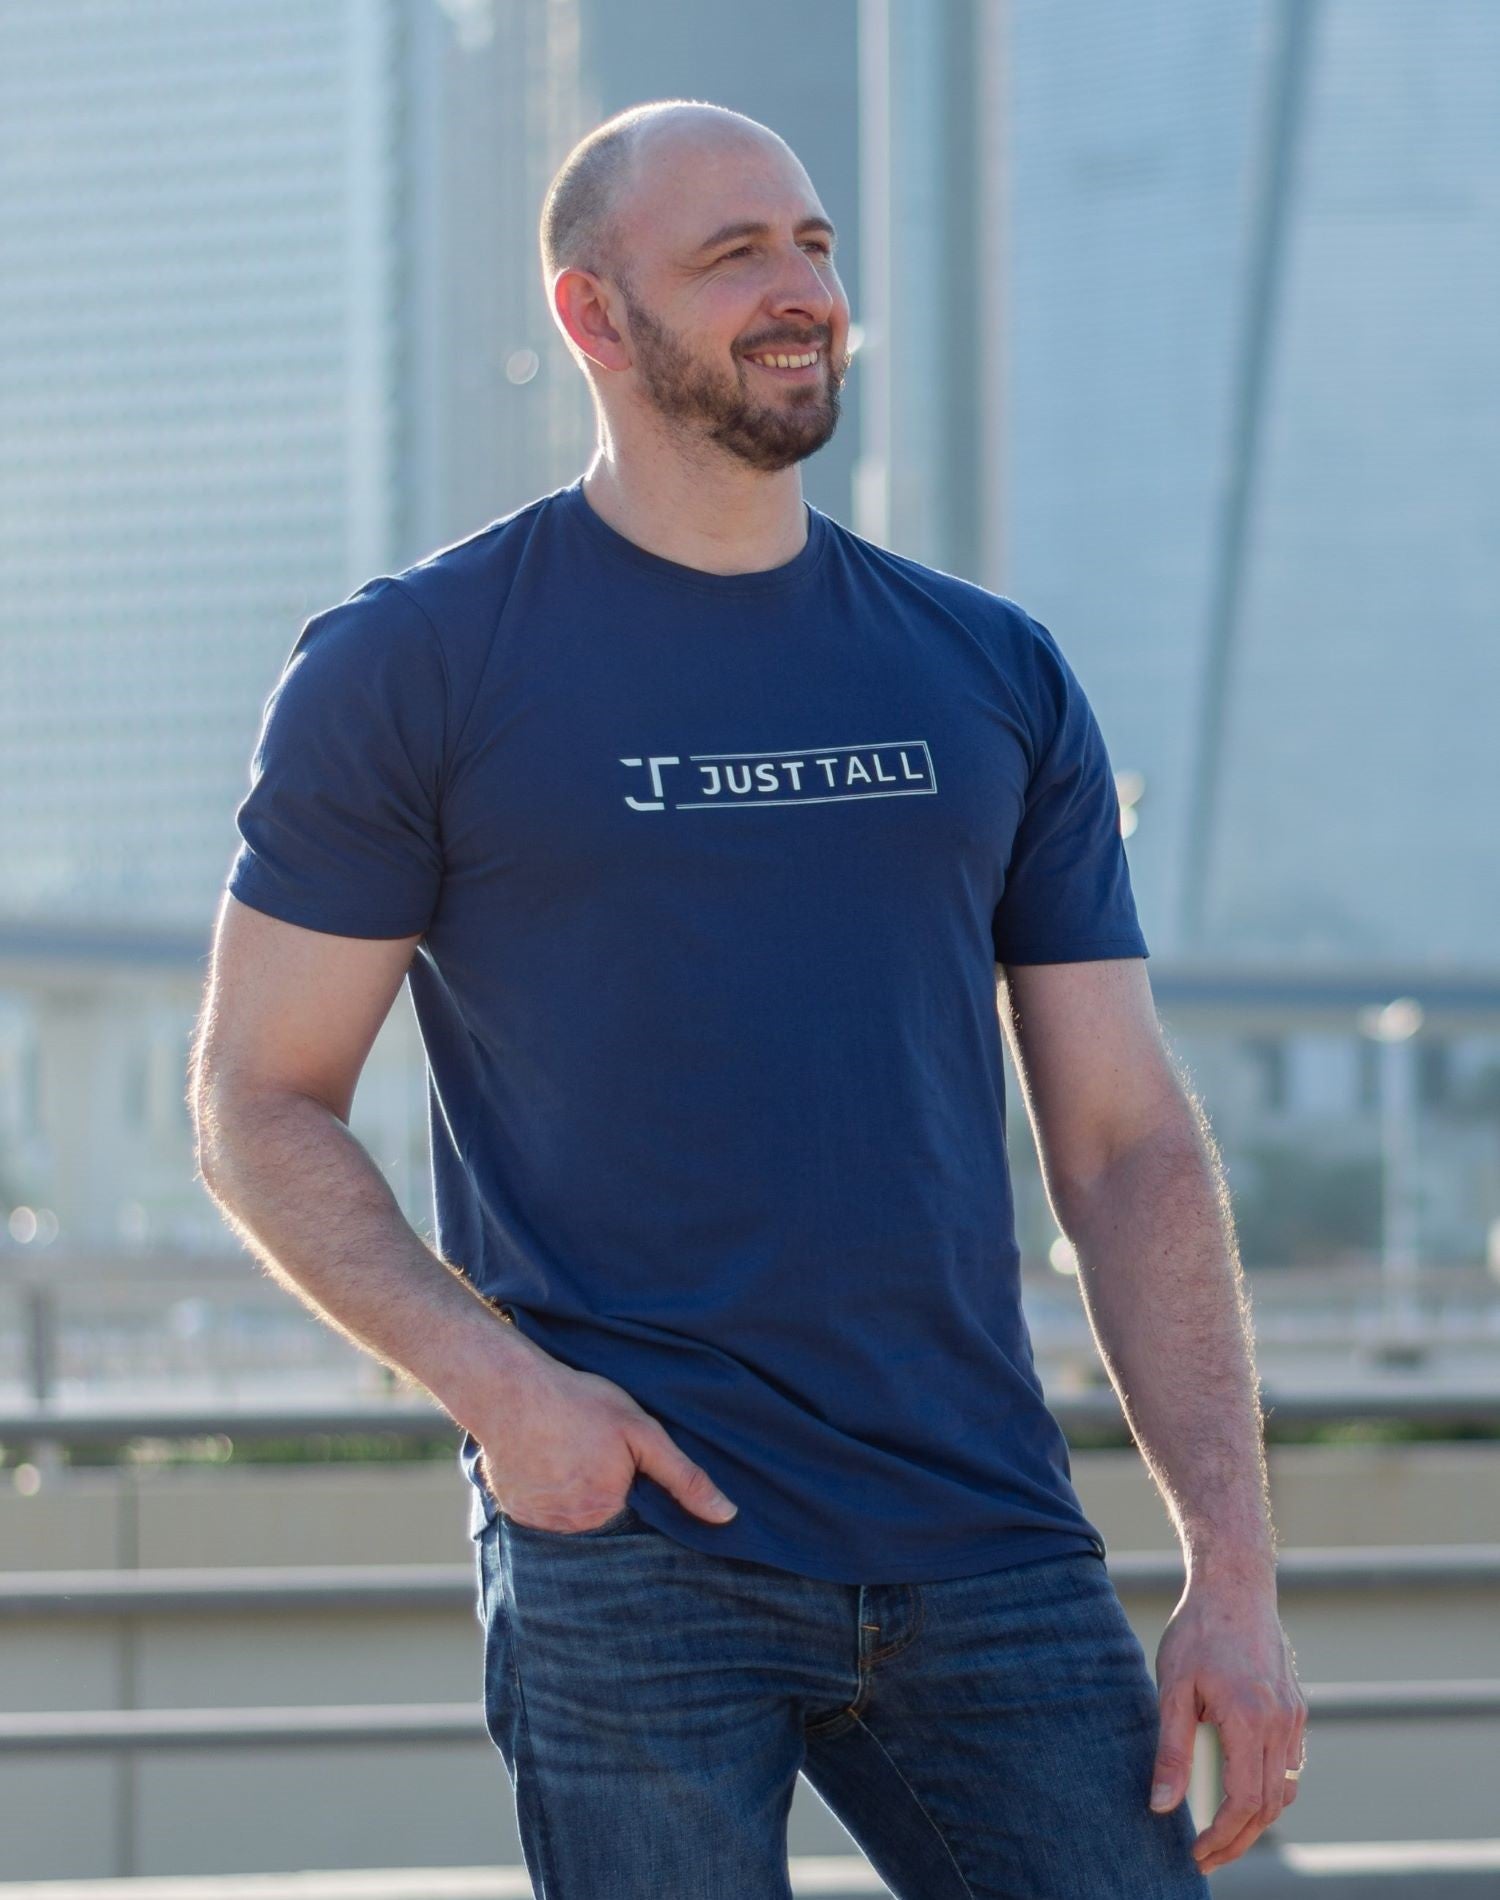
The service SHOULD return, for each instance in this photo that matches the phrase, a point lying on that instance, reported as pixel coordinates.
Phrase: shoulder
(433, 621)
(467, 581)
(1018, 643)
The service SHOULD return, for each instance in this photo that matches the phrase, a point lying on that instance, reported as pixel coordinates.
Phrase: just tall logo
(725, 781)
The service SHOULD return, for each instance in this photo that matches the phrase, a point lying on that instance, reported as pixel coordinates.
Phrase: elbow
(1131, 1163)
(207, 1157)
(198, 1094)
(218, 1115)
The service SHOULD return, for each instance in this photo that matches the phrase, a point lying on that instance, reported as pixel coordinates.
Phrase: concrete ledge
(829, 1876)
(1382, 1870)
(1357, 1870)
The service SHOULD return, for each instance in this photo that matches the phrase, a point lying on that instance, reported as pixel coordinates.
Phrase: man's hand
(573, 1447)
(1224, 1658)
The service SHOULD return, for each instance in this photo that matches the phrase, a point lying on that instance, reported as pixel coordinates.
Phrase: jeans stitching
(917, 1800)
(523, 1739)
(819, 1730)
(816, 1731)
(914, 1597)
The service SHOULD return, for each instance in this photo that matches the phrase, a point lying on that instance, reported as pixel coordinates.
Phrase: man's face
(700, 310)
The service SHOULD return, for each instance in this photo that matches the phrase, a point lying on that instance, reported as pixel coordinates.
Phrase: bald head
(607, 180)
(677, 239)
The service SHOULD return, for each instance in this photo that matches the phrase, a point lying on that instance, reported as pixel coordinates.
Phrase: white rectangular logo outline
(802, 752)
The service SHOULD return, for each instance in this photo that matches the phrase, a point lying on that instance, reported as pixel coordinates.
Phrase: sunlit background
(1176, 322)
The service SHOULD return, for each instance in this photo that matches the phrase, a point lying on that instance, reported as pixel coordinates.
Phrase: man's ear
(581, 306)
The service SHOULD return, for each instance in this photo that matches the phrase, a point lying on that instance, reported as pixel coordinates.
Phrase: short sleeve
(339, 831)
(1067, 896)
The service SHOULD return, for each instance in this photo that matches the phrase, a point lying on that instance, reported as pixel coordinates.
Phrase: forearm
(1165, 1296)
(306, 1198)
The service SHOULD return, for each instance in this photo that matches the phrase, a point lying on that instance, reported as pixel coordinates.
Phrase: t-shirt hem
(1017, 1547)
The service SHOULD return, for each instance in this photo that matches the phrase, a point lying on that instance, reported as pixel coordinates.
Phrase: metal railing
(75, 1731)
(384, 1588)
(122, 1733)
(1451, 1407)
(183, 1318)
(182, 1590)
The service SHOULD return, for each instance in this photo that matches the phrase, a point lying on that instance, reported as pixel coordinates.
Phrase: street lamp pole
(1392, 1026)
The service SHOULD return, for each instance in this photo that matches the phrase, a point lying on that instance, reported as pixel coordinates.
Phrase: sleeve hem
(1093, 951)
(273, 904)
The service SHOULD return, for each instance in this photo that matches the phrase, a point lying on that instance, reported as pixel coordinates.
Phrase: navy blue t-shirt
(712, 873)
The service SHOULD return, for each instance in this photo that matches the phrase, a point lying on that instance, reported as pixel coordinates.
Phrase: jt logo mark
(655, 764)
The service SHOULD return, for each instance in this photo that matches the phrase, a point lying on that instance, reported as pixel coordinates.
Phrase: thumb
(690, 1484)
(1174, 1750)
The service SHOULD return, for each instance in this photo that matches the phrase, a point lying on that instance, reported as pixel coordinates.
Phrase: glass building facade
(1251, 430)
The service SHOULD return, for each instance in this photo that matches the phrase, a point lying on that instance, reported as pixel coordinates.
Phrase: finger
(1244, 1754)
(1174, 1747)
(1247, 1836)
(1296, 1755)
(1277, 1794)
(1228, 1834)
(690, 1484)
(1278, 1791)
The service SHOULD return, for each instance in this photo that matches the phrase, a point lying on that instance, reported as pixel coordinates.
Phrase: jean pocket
(621, 1520)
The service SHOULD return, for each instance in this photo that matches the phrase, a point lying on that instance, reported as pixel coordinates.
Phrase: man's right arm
(288, 1020)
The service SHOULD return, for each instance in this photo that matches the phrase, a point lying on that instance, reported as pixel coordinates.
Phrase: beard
(764, 435)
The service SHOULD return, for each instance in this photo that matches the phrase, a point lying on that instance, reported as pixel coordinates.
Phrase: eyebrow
(750, 228)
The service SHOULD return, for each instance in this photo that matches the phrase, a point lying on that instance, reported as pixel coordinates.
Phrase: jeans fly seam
(914, 1596)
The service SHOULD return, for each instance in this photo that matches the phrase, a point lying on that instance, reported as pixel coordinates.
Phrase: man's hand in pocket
(569, 1451)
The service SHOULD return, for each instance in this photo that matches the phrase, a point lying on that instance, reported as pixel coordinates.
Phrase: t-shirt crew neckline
(767, 580)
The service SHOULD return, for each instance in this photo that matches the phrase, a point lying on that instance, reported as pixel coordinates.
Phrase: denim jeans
(978, 1737)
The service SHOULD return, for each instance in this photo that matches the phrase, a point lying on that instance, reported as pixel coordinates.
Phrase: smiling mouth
(797, 370)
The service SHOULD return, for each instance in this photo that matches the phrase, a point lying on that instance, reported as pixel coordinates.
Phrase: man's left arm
(1134, 1177)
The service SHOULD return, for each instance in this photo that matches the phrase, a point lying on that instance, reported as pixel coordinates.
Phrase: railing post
(41, 1342)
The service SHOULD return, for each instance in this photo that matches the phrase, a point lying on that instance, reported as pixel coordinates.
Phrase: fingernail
(1161, 1795)
(723, 1507)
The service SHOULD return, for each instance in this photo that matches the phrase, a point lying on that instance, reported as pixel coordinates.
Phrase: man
(699, 826)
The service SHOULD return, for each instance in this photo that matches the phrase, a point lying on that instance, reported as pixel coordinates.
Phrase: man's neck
(723, 526)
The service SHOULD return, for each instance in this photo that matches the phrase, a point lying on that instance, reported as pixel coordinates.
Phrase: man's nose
(804, 287)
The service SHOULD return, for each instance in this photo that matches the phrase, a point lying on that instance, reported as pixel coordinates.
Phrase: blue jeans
(978, 1737)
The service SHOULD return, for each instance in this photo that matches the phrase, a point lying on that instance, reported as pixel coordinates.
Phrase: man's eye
(744, 250)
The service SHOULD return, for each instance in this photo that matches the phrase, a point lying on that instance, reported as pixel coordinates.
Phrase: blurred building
(1174, 327)
(266, 296)
(1251, 414)
(271, 322)
(931, 247)
(1194, 304)
(1179, 333)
